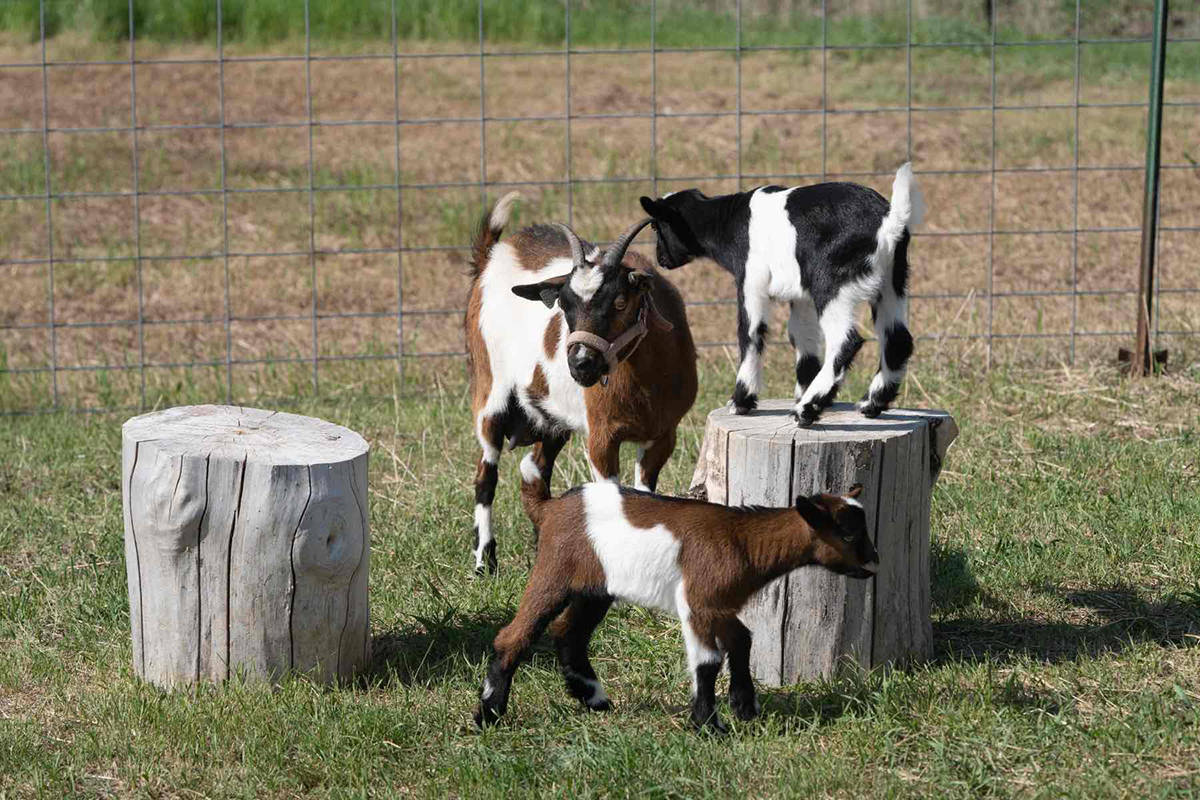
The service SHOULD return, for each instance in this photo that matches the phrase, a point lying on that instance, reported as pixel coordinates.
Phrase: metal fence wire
(65, 240)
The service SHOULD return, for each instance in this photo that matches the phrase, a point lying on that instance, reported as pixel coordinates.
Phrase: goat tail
(907, 207)
(490, 228)
(534, 491)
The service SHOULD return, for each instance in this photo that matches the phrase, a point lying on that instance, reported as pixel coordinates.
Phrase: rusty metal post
(1141, 361)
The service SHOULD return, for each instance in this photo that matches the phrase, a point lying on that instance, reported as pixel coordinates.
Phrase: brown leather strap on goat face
(633, 334)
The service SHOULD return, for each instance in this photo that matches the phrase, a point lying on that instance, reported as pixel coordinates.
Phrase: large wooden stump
(805, 623)
(246, 545)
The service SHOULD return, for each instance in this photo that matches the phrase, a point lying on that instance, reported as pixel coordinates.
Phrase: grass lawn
(1066, 569)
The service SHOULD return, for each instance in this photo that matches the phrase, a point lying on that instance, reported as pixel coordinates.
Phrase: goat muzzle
(628, 341)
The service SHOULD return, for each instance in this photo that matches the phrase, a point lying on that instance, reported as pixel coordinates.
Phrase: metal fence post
(1141, 353)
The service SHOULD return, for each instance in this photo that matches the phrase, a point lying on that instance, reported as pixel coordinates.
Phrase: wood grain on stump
(805, 623)
(246, 545)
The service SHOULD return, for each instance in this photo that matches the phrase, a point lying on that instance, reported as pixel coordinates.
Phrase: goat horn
(617, 252)
(576, 245)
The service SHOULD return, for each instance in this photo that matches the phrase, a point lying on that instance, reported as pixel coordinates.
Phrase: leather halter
(635, 333)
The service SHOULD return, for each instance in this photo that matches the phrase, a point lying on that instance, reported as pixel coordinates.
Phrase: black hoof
(490, 563)
(603, 705)
(742, 401)
(712, 726)
(807, 415)
(745, 707)
(486, 716)
(870, 410)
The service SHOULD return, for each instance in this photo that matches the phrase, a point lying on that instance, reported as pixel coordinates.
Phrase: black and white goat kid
(824, 249)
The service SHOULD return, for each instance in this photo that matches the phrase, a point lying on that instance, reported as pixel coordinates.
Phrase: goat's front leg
(544, 454)
(895, 347)
(752, 339)
(651, 457)
(604, 456)
(572, 632)
(735, 640)
(804, 332)
(539, 605)
(842, 342)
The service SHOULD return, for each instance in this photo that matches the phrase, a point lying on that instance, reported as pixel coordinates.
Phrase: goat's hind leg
(572, 633)
(842, 342)
(752, 338)
(895, 347)
(490, 430)
(804, 333)
(735, 641)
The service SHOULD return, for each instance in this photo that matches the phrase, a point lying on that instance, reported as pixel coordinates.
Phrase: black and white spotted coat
(824, 249)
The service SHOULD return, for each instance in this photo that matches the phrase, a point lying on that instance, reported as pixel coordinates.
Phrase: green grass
(1066, 589)
(609, 22)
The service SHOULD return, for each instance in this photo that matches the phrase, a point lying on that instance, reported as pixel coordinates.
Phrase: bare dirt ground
(181, 279)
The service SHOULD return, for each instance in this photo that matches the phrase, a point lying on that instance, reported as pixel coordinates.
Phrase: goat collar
(634, 335)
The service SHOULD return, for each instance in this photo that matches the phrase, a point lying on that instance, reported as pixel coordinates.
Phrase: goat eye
(619, 303)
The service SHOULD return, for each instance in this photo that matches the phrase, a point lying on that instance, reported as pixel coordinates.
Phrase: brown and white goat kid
(607, 351)
(697, 560)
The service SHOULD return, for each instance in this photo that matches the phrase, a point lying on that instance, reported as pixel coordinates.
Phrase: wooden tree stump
(805, 623)
(246, 545)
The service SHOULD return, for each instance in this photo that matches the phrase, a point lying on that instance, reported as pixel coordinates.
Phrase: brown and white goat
(697, 560)
(607, 351)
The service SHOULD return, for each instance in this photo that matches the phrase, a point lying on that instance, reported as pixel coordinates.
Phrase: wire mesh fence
(226, 220)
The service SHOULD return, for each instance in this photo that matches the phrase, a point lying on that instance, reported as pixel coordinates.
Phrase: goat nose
(582, 356)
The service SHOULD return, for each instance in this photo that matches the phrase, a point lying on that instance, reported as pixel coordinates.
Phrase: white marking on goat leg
(750, 371)
(804, 332)
(530, 471)
(889, 311)
(850, 501)
(491, 453)
(488, 689)
(837, 325)
(639, 480)
(483, 526)
(697, 652)
(598, 696)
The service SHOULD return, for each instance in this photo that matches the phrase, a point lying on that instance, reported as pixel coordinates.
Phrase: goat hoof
(486, 716)
(806, 417)
(744, 707)
(603, 705)
(743, 401)
(490, 562)
(713, 727)
(869, 409)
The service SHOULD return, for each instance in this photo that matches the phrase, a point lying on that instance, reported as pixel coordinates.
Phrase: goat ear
(813, 512)
(546, 291)
(638, 279)
(855, 491)
(651, 207)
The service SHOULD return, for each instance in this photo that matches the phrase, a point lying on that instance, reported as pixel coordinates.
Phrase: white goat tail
(907, 205)
(502, 210)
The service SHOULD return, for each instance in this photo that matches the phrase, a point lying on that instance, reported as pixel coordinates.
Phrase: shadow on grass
(431, 651)
(1126, 619)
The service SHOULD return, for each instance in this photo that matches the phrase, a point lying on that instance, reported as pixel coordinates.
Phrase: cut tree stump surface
(246, 545)
(807, 622)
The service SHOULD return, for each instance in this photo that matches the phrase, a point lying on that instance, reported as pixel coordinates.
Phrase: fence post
(1140, 364)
